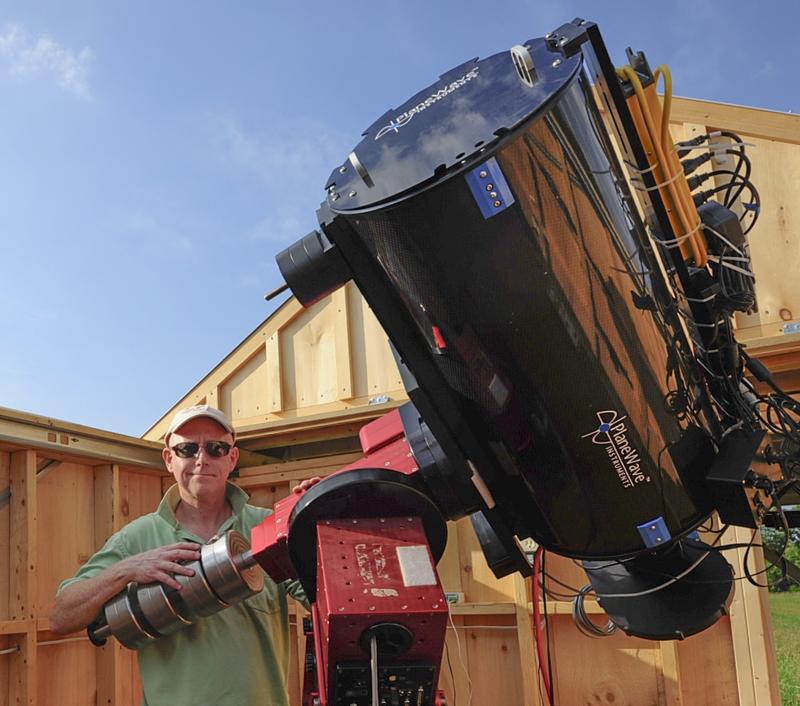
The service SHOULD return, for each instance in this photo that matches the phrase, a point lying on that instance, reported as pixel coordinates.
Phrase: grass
(786, 623)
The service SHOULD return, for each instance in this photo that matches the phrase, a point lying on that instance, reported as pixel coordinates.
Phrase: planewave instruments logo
(613, 434)
(404, 118)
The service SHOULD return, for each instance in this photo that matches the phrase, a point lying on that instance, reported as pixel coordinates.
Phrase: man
(238, 657)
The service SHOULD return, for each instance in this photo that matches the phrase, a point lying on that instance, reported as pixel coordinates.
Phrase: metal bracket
(568, 38)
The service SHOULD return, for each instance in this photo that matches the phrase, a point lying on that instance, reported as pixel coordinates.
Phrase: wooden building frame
(298, 389)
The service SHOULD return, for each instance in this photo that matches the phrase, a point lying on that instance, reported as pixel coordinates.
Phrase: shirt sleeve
(295, 589)
(114, 550)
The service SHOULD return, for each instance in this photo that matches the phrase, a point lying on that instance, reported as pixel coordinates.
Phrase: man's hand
(303, 486)
(159, 564)
(80, 602)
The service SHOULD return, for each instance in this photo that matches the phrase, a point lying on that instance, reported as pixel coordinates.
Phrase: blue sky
(156, 156)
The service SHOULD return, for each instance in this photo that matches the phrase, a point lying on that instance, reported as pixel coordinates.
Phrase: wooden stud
(5, 548)
(107, 520)
(527, 645)
(344, 369)
(22, 581)
(22, 669)
(668, 674)
(5, 542)
(747, 627)
(274, 374)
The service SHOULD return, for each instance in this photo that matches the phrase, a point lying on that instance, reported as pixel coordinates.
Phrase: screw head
(342, 169)
(557, 63)
(352, 194)
(483, 174)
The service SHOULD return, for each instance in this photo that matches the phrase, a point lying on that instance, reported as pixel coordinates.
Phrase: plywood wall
(333, 358)
(490, 648)
(773, 146)
(60, 510)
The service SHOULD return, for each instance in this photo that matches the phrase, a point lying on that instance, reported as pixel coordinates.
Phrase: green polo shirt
(237, 657)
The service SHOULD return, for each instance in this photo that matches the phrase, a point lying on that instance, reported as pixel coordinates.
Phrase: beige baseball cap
(199, 410)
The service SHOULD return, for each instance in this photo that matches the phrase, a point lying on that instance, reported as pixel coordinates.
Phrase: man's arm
(79, 603)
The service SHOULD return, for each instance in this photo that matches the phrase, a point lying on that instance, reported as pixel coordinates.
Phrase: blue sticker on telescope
(490, 188)
(655, 532)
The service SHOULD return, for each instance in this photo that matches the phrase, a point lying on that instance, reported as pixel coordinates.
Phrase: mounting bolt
(352, 194)
(342, 169)
(556, 63)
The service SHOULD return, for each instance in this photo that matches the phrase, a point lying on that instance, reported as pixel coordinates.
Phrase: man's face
(203, 475)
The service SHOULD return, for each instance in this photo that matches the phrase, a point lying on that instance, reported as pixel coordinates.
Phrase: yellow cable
(667, 144)
(663, 69)
(684, 219)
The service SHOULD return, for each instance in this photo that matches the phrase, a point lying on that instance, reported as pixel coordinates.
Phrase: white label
(415, 565)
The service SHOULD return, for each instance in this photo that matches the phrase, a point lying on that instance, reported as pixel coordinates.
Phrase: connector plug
(689, 165)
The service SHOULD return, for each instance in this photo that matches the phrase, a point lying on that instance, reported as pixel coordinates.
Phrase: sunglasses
(190, 449)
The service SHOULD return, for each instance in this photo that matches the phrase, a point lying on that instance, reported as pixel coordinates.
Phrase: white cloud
(26, 56)
(155, 236)
(766, 69)
(15, 311)
(282, 159)
(280, 228)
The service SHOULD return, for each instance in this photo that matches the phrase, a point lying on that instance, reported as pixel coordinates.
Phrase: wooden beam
(22, 579)
(294, 470)
(769, 124)
(13, 627)
(29, 430)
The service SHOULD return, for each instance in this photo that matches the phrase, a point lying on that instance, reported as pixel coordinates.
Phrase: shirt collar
(166, 508)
